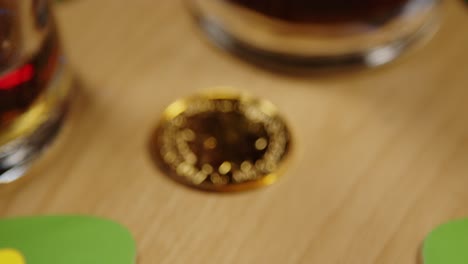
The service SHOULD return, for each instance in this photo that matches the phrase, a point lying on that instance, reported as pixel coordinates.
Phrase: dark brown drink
(21, 87)
(320, 11)
(317, 33)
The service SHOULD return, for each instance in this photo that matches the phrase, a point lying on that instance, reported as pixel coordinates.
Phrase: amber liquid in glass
(29, 96)
(23, 91)
(22, 86)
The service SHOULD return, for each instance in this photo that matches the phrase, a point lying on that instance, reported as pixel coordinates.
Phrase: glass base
(35, 129)
(273, 43)
(17, 157)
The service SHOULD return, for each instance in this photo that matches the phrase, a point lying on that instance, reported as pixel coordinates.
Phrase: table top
(380, 157)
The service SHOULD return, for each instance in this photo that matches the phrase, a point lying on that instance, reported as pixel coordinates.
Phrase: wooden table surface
(381, 155)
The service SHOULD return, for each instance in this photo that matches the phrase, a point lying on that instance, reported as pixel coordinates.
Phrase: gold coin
(221, 142)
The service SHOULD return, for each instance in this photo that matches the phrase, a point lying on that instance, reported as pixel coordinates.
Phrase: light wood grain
(381, 155)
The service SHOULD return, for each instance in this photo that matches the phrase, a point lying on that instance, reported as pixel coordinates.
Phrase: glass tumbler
(317, 33)
(34, 84)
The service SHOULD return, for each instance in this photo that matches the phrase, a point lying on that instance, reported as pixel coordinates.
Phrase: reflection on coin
(221, 142)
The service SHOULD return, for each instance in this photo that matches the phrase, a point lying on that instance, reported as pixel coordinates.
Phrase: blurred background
(379, 155)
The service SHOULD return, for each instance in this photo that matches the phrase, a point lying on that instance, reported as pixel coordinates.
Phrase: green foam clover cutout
(447, 244)
(68, 240)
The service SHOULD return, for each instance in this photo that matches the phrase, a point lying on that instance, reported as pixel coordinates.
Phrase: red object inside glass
(17, 77)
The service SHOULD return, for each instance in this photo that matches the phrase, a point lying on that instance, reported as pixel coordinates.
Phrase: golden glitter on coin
(221, 142)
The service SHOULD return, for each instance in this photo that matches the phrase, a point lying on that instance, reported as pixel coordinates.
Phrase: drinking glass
(34, 84)
(317, 33)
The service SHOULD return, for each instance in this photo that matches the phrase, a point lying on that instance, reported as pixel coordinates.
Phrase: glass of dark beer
(34, 84)
(317, 32)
